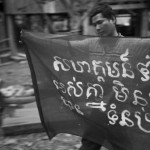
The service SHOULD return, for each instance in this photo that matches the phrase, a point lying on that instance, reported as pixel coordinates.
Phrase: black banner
(97, 88)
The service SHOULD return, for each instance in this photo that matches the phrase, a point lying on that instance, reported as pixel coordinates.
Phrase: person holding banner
(104, 20)
(95, 87)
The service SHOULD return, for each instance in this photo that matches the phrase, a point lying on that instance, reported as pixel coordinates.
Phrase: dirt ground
(15, 73)
(40, 141)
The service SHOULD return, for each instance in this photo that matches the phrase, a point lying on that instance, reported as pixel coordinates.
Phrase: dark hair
(103, 8)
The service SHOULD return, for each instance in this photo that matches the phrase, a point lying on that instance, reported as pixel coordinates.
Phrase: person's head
(104, 20)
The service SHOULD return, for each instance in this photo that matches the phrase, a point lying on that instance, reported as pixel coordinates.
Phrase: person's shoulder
(85, 41)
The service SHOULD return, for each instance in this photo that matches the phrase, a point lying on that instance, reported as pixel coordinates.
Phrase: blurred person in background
(104, 21)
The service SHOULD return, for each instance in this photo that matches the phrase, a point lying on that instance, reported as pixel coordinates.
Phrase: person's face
(104, 26)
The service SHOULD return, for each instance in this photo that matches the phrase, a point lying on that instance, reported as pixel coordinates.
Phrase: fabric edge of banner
(34, 80)
(53, 36)
(45, 35)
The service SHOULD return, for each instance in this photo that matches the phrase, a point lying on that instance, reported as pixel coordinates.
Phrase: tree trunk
(11, 34)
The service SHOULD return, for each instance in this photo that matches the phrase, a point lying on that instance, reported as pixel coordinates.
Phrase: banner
(96, 88)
